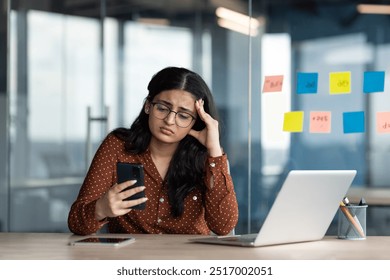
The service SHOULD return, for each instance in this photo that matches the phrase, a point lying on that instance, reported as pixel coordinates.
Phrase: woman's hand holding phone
(124, 196)
(113, 203)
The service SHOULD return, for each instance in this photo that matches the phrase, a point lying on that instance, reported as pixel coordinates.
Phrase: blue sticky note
(374, 81)
(307, 83)
(353, 122)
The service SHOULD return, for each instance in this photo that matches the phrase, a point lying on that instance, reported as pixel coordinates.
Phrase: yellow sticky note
(340, 83)
(293, 121)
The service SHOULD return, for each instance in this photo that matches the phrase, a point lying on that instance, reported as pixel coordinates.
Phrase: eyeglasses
(161, 111)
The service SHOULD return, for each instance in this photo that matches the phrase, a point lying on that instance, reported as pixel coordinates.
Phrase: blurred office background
(72, 70)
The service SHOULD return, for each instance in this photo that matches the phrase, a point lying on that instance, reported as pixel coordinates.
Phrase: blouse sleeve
(99, 179)
(220, 200)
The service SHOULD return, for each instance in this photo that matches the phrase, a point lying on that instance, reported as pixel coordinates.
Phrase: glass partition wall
(79, 69)
(75, 70)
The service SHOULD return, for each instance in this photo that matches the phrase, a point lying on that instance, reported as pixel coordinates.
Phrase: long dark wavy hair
(186, 169)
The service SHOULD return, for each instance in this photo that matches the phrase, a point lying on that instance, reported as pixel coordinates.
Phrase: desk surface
(44, 246)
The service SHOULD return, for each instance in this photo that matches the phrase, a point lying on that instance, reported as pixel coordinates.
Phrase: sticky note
(340, 82)
(320, 122)
(353, 122)
(374, 81)
(383, 122)
(293, 121)
(273, 83)
(307, 83)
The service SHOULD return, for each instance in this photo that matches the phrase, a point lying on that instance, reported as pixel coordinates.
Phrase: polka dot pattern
(216, 211)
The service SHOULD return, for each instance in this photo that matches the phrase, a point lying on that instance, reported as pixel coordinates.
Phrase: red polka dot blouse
(218, 212)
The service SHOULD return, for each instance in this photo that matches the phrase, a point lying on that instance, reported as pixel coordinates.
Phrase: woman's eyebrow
(170, 105)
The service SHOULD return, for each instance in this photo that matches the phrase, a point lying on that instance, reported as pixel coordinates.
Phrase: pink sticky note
(273, 83)
(383, 122)
(320, 122)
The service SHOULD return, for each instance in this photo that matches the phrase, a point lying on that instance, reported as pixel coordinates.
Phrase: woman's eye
(184, 116)
(162, 108)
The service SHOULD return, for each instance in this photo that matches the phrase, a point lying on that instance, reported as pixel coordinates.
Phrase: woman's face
(166, 129)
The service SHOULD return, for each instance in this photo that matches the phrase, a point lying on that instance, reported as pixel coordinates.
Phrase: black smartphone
(132, 171)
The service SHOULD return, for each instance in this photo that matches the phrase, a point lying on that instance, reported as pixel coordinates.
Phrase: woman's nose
(170, 119)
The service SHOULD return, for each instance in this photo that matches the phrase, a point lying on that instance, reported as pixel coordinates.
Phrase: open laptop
(303, 209)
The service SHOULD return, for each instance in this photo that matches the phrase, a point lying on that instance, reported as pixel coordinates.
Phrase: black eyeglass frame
(171, 111)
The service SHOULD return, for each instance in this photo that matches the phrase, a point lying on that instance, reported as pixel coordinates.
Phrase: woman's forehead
(177, 97)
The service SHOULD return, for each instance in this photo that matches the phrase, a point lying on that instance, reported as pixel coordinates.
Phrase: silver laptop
(303, 209)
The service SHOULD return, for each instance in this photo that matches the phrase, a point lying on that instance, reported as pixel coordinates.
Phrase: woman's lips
(166, 131)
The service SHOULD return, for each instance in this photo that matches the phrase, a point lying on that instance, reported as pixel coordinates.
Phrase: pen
(353, 220)
(346, 202)
(362, 202)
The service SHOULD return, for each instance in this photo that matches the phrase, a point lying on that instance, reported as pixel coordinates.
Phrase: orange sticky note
(320, 122)
(273, 83)
(293, 121)
(340, 83)
(383, 122)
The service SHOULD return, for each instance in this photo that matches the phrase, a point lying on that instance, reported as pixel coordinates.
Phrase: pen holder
(352, 222)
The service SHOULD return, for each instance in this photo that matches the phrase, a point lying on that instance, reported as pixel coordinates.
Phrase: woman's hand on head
(209, 136)
(112, 203)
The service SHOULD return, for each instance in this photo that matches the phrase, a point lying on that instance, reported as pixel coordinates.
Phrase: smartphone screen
(132, 171)
(109, 241)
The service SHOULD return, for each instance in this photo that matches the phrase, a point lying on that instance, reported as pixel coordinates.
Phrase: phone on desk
(132, 171)
(106, 241)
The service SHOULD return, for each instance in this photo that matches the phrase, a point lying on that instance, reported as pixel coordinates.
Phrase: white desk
(51, 246)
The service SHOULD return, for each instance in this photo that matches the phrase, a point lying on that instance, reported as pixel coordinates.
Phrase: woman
(187, 185)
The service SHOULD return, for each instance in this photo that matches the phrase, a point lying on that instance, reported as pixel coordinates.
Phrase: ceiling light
(236, 27)
(373, 9)
(237, 22)
(236, 17)
(154, 21)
